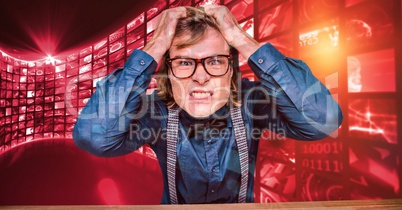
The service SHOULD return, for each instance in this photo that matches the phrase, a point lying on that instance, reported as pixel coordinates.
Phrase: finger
(222, 15)
(176, 13)
(171, 15)
(211, 10)
(164, 32)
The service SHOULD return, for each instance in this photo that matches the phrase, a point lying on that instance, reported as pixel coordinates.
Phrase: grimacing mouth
(201, 93)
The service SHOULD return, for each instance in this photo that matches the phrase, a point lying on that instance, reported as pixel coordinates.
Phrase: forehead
(211, 43)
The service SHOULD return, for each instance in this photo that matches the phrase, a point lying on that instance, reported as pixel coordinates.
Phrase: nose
(200, 75)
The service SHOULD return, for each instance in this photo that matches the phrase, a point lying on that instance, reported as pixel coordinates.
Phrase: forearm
(305, 107)
(103, 125)
(244, 43)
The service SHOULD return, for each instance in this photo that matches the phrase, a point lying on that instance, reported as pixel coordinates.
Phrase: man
(203, 126)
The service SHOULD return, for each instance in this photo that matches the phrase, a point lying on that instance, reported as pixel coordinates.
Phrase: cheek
(178, 88)
(223, 87)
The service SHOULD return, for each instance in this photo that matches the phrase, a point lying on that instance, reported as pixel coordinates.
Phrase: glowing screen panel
(275, 20)
(373, 171)
(284, 44)
(369, 25)
(265, 4)
(372, 72)
(321, 169)
(276, 169)
(373, 120)
(241, 9)
(316, 10)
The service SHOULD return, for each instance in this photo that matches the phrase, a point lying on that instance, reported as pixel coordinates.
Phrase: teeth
(200, 94)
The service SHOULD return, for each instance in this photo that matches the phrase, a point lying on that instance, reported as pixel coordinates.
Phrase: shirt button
(209, 141)
(142, 62)
(213, 169)
(260, 61)
(212, 191)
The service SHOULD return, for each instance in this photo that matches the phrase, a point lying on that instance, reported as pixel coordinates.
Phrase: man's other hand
(232, 31)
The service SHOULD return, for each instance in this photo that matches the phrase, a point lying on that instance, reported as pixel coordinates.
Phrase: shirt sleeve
(297, 102)
(103, 125)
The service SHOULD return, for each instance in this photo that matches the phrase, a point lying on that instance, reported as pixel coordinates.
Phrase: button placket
(213, 166)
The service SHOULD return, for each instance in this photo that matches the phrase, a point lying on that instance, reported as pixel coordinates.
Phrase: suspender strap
(172, 135)
(241, 142)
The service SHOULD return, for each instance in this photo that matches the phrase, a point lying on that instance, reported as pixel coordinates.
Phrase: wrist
(245, 44)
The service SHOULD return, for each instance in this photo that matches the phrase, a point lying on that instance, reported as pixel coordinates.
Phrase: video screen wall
(352, 46)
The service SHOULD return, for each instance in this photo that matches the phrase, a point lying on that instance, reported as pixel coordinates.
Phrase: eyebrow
(178, 56)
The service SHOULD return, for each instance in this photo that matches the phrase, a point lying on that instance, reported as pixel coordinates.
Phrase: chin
(200, 110)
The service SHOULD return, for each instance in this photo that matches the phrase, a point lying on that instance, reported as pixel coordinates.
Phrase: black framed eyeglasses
(216, 65)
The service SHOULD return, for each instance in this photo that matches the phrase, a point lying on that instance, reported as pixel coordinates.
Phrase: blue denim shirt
(119, 118)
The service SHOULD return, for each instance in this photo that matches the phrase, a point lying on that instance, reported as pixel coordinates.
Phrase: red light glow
(373, 119)
(109, 192)
(372, 72)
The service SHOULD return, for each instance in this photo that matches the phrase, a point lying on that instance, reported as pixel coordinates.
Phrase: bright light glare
(50, 60)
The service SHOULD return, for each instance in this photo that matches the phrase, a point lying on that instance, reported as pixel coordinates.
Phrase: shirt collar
(221, 118)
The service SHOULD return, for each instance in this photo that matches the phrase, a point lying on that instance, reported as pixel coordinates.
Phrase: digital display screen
(370, 25)
(241, 9)
(372, 72)
(316, 11)
(317, 187)
(275, 178)
(284, 44)
(373, 120)
(156, 9)
(265, 4)
(275, 20)
(373, 171)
